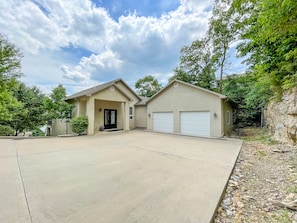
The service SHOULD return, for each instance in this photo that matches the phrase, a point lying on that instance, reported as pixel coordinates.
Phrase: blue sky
(82, 43)
(145, 8)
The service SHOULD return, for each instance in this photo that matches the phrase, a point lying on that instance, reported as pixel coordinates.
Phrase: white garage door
(163, 122)
(195, 123)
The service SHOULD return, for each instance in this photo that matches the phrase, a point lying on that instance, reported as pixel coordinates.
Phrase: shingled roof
(143, 100)
(98, 88)
(190, 85)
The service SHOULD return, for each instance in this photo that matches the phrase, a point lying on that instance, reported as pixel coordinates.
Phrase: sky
(83, 43)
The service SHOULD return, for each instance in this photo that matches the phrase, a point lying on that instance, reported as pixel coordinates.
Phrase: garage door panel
(195, 123)
(163, 122)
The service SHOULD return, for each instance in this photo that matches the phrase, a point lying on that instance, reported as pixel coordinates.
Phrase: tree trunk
(222, 67)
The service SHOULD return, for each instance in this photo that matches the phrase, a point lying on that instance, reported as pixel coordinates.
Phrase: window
(228, 117)
(131, 112)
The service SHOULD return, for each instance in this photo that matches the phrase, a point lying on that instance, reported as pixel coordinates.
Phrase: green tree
(248, 97)
(56, 106)
(181, 75)
(269, 40)
(147, 86)
(236, 88)
(207, 56)
(221, 33)
(196, 61)
(31, 115)
(10, 70)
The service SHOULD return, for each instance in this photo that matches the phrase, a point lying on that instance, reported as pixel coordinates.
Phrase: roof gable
(221, 96)
(98, 88)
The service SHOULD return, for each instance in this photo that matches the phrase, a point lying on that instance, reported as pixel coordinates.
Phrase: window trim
(228, 117)
(131, 113)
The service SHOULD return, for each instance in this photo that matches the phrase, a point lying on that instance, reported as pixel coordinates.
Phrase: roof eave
(190, 85)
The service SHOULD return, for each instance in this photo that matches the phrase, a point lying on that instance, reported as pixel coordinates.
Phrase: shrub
(79, 125)
(37, 132)
(6, 130)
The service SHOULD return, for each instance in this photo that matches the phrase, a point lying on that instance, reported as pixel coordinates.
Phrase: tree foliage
(207, 56)
(56, 106)
(269, 34)
(248, 98)
(10, 60)
(33, 114)
(181, 75)
(196, 65)
(147, 86)
(221, 34)
(10, 70)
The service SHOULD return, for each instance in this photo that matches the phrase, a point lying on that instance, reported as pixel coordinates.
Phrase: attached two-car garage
(182, 108)
(190, 123)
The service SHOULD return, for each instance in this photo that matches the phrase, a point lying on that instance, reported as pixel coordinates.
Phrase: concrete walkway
(114, 178)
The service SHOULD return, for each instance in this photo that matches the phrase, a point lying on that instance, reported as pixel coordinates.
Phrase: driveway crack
(22, 180)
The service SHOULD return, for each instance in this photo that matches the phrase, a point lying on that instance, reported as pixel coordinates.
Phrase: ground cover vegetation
(263, 185)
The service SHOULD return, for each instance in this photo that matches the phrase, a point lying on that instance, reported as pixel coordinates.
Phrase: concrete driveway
(114, 178)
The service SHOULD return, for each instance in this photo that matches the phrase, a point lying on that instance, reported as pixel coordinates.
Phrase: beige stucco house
(179, 108)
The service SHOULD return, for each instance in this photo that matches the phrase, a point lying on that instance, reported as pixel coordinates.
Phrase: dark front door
(110, 118)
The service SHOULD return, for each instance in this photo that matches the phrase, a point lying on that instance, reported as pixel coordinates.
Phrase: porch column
(78, 108)
(91, 115)
(126, 116)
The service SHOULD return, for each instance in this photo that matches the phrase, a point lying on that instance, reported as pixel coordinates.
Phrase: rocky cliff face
(281, 118)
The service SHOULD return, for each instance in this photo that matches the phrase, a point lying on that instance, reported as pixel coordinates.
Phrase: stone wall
(281, 117)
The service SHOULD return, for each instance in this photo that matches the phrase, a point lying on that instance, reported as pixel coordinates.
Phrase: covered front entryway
(110, 114)
(106, 106)
(110, 118)
(195, 123)
(163, 122)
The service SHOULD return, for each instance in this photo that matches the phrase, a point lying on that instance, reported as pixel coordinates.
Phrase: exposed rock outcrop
(281, 117)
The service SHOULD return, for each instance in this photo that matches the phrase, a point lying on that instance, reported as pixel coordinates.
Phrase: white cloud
(130, 48)
(96, 63)
(105, 60)
(77, 75)
(196, 5)
(30, 33)
(56, 24)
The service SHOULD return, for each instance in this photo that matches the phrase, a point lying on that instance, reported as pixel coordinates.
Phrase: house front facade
(179, 108)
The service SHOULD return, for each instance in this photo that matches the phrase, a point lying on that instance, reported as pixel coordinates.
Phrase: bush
(37, 132)
(6, 130)
(79, 125)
